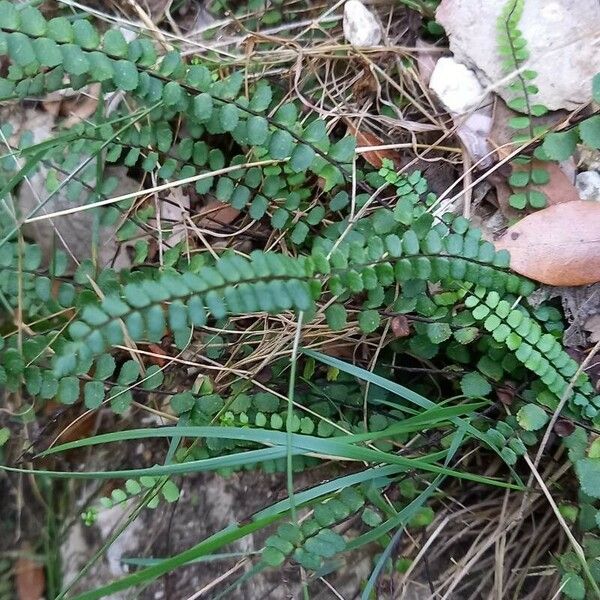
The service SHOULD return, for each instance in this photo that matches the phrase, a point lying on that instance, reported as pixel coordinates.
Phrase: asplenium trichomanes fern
(61, 336)
(47, 55)
(513, 50)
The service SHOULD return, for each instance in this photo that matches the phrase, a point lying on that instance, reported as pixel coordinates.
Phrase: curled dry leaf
(564, 428)
(374, 157)
(559, 245)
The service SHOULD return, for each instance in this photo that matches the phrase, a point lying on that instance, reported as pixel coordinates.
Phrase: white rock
(459, 90)
(588, 185)
(456, 86)
(562, 39)
(361, 27)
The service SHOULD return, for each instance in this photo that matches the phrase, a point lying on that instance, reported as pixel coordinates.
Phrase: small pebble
(588, 185)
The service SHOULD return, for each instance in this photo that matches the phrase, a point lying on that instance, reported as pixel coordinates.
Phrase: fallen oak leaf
(559, 245)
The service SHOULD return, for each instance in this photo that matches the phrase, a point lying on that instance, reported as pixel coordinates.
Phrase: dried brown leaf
(82, 107)
(30, 581)
(157, 353)
(70, 424)
(559, 245)
(365, 87)
(400, 326)
(374, 157)
(76, 107)
(216, 214)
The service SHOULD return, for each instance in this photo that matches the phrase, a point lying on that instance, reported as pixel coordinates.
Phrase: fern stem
(518, 66)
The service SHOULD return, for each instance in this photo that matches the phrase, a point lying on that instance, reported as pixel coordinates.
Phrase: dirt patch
(208, 503)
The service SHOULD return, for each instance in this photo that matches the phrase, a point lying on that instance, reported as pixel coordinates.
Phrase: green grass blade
(431, 417)
(399, 390)
(150, 562)
(249, 457)
(330, 487)
(407, 513)
(302, 444)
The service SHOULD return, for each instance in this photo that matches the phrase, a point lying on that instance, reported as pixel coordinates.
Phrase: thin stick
(218, 580)
(152, 190)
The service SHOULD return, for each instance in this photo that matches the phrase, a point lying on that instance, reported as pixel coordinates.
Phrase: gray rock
(361, 27)
(588, 185)
(72, 233)
(563, 38)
